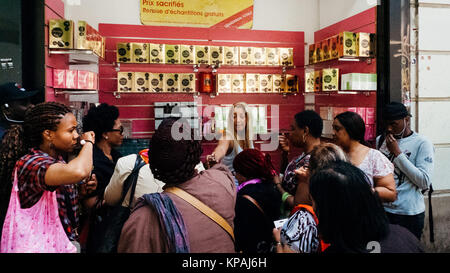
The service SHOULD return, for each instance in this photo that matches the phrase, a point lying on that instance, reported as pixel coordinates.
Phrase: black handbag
(118, 215)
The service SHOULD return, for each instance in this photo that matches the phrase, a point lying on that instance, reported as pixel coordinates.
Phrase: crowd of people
(64, 189)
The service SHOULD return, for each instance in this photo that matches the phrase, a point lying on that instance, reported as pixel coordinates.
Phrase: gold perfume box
(347, 44)
(291, 83)
(187, 82)
(216, 56)
(287, 56)
(272, 56)
(125, 81)
(141, 82)
(224, 83)
(311, 53)
(60, 33)
(172, 82)
(279, 83)
(334, 41)
(319, 52)
(156, 82)
(363, 44)
(172, 54)
(309, 81)
(231, 55)
(245, 55)
(265, 83)
(80, 36)
(123, 52)
(202, 55)
(187, 55)
(157, 53)
(330, 79)
(326, 49)
(317, 80)
(251, 83)
(237, 83)
(259, 56)
(140, 52)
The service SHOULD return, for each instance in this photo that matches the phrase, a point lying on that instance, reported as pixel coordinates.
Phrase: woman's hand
(89, 186)
(211, 160)
(89, 136)
(284, 143)
(281, 248)
(302, 174)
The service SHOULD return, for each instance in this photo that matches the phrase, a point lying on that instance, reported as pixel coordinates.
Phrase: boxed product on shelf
(80, 36)
(123, 52)
(245, 55)
(259, 56)
(287, 56)
(326, 50)
(317, 80)
(171, 82)
(59, 78)
(97, 44)
(359, 81)
(85, 80)
(157, 53)
(309, 81)
(141, 82)
(140, 53)
(187, 55)
(272, 56)
(279, 83)
(60, 33)
(71, 79)
(125, 81)
(266, 83)
(347, 44)
(311, 53)
(156, 82)
(216, 56)
(251, 83)
(330, 79)
(363, 44)
(237, 83)
(291, 83)
(224, 83)
(202, 54)
(319, 52)
(231, 55)
(187, 82)
(334, 41)
(172, 54)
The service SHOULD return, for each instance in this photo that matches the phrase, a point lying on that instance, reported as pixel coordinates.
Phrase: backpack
(118, 215)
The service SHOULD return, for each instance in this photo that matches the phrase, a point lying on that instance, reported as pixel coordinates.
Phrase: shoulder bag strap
(251, 199)
(131, 180)
(202, 208)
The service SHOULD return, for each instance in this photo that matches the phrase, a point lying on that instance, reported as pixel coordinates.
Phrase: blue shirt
(413, 173)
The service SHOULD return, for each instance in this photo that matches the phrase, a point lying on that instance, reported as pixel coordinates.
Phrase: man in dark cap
(413, 158)
(14, 100)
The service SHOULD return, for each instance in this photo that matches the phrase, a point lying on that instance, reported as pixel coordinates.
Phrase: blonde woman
(237, 137)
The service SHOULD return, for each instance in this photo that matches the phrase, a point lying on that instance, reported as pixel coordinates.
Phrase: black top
(103, 169)
(252, 228)
(399, 240)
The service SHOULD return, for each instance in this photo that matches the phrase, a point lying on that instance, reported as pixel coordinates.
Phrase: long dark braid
(173, 161)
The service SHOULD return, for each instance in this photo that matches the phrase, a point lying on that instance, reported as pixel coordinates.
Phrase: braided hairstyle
(19, 138)
(43, 116)
(173, 161)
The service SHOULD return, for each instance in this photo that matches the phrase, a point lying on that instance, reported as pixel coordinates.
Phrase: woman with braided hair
(258, 201)
(49, 133)
(167, 223)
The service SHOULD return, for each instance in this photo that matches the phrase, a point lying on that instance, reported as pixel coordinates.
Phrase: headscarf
(252, 163)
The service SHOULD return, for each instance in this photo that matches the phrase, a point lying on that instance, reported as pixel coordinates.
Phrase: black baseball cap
(395, 111)
(12, 91)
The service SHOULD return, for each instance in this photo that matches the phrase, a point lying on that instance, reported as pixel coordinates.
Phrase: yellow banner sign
(198, 13)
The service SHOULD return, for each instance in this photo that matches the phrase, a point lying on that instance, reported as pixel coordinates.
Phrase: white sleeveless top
(376, 164)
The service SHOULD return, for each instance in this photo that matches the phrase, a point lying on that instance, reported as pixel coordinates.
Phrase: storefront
(325, 80)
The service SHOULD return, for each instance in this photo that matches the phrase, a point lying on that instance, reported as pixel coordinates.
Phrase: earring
(106, 137)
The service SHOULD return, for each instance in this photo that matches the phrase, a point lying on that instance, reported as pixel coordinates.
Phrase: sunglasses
(117, 130)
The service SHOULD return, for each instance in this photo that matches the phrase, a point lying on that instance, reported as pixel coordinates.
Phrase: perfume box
(202, 55)
(272, 56)
(251, 83)
(141, 82)
(172, 82)
(157, 53)
(245, 55)
(224, 83)
(231, 55)
(60, 33)
(187, 82)
(259, 56)
(123, 52)
(216, 57)
(279, 83)
(266, 83)
(287, 56)
(125, 81)
(156, 82)
(172, 54)
(330, 79)
(237, 83)
(140, 52)
(187, 55)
